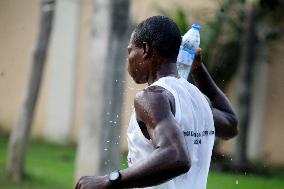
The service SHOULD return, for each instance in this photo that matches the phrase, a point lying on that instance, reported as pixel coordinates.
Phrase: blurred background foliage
(219, 39)
(222, 42)
(221, 36)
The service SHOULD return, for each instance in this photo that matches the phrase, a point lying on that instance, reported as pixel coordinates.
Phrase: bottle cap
(196, 26)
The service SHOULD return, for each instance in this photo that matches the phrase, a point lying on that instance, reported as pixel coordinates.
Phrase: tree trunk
(247, 58)
(113, 86)
(19, 137)
(62, 84)
(98, 149)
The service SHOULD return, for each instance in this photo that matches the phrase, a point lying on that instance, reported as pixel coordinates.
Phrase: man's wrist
(113, 179)
(107, 183)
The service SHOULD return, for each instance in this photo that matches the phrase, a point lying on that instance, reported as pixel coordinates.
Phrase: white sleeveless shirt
(195, 118)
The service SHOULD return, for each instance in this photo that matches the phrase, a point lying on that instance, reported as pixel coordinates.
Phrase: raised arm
(170, 157)
(225, 119)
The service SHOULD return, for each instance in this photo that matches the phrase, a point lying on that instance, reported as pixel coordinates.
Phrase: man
(172, 130)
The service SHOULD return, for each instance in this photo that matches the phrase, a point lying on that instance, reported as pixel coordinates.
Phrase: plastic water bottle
(190, 41)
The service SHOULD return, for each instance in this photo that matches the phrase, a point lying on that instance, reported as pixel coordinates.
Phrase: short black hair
(161, 33)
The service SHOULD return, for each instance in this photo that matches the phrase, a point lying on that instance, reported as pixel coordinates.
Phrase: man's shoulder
(154, 97)
(151, 105)
(152, 93)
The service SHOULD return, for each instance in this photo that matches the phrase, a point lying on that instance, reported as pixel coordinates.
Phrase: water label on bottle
(186, 56)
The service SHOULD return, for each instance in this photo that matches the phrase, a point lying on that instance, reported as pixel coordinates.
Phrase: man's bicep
(151, 108)
(154, 110)
(167, 133)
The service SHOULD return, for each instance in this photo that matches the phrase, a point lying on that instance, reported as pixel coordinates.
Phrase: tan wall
(18, 26)
(196, 10)
(18, 21)
(273, 133)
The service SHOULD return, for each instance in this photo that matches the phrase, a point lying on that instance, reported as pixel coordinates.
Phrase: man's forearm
(225, 120)
(207, 86)
(159, 167)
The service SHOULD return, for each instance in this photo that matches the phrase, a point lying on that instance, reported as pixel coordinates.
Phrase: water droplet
(108, 141)
(114, 122)
(117, 115)
(118, 136)
(237, 182)
(110, 121)
(105, 149)
(231, 159)
(107, 113)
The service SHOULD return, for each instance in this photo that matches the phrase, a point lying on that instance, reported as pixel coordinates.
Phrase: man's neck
(163, 70)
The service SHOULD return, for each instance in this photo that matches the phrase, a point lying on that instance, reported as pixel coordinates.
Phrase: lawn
(50, 166)
(234, 181)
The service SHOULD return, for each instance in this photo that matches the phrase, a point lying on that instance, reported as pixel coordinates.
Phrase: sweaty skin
(154, 108)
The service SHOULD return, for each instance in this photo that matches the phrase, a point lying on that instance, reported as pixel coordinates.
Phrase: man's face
(137, 66)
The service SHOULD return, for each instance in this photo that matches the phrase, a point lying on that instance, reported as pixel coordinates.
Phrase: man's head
(154, 41)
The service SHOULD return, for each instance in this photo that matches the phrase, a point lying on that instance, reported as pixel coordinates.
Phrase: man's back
(194, 117)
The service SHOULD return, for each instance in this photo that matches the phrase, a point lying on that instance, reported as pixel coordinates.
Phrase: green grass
(236, 181)
(50, 166)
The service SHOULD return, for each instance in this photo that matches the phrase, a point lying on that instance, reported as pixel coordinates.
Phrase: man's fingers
(79, 183)
(198, 55)
(198, 49)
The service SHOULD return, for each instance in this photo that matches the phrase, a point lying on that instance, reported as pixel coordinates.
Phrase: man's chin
(139, 81)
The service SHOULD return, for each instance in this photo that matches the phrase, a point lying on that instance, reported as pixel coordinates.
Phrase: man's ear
(147, 50)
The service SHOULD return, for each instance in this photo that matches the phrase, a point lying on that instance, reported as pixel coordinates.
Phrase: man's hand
(197, 60)
(93, 182)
